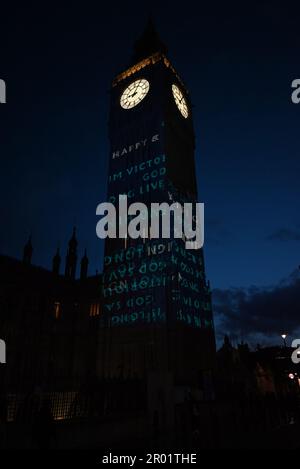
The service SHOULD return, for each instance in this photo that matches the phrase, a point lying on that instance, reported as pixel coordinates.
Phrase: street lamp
(284, 336)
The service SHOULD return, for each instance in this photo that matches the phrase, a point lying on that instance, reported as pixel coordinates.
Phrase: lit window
(94, 309)
(57, 310)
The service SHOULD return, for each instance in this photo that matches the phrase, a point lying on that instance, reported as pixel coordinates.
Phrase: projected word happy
(135, 146)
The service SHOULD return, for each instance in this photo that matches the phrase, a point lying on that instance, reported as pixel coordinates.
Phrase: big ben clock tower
(157, 318)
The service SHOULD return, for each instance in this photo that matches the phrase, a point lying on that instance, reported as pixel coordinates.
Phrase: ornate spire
(71, 258)
(73, 241)
(148, 43)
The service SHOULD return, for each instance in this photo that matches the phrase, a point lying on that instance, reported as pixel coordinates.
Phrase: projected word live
(138, 180)
(2, 92)
(296, 93)
(141, 174)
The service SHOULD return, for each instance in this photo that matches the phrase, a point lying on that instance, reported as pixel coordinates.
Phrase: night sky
(238, 61)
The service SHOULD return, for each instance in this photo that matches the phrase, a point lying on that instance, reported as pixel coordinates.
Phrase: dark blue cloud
(259, 314)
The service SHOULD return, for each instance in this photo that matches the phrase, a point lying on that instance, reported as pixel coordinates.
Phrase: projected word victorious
(2, 92)
(163, 221)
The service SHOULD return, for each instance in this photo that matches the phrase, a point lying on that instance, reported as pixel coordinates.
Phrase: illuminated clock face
(180, 101)
(134, 93)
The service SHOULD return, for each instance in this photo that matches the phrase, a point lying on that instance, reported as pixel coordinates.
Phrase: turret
(71, 257)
